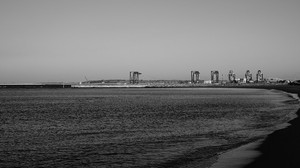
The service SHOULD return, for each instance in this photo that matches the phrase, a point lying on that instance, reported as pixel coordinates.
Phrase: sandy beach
(238, 157)
(279, 149)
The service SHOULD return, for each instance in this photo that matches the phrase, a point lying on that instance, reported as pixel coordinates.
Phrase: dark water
(132, 127)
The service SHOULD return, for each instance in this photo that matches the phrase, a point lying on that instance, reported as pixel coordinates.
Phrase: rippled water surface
(132, 127)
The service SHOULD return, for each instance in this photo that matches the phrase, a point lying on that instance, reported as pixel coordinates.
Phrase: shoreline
(278, 149)
(141, 85)
(281, 148)
(238, 157)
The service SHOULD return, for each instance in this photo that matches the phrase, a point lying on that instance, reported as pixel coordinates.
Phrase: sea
(134, 127)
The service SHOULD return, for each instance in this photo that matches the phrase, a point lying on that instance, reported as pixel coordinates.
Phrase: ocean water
(141, 127)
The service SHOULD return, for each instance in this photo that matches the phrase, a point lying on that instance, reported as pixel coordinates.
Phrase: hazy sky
(65, 40)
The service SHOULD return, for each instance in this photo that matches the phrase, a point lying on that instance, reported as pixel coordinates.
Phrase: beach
(280, 149)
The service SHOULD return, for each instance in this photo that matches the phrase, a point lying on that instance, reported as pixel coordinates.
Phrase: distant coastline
(33, 86)
(143, 85)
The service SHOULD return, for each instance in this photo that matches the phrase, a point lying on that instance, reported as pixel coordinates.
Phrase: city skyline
(67, 40)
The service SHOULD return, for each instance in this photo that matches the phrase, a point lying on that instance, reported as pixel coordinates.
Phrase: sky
(66, 40)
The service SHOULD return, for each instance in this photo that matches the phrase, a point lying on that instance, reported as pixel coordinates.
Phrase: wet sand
(238, 157)
(279, 149)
